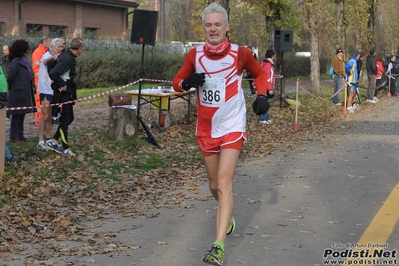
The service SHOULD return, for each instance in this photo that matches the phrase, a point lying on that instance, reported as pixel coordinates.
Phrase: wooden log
(122, 123)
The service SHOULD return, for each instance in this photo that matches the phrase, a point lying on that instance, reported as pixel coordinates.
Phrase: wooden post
(122, 123)
(296, 126)
(345, 110)
(2, 138)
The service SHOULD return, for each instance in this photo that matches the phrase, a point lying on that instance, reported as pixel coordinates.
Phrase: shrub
(105, 68)
(300, 66)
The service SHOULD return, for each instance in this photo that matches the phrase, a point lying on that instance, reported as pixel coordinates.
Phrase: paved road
(290, 207)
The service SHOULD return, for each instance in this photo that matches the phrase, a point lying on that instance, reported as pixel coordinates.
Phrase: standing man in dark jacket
(64, 91)
(371, 67)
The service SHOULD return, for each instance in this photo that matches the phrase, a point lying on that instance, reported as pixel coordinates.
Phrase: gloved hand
(3, 99)
(261, 105)
(194, 80)
(270, 94)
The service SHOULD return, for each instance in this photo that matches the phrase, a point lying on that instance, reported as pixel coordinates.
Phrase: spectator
(268, 66)
(19, 80)
(3, 88)
(46, 92)
(352, 76)
(3, 103)
(356, 100)
(391, 73)
(36, 56)
(215, 69)
(55, 110)
(5, 64)
(371, 67)
(339, 74)
(380, 72)
(64, 89)
(4, 59)
(8, 156)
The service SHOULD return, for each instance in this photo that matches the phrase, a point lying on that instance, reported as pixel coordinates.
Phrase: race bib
(213, 92)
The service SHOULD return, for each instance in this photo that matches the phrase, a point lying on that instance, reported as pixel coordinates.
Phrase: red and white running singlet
(221, 101)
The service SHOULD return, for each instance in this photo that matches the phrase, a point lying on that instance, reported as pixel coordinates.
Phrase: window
(91, 33)
(3, 27)
(56, 31)
(34, 30)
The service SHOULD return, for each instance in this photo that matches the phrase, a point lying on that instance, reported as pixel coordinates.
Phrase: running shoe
(232, 226)
(68, 153)
(215, 256)
(42, 146)
(351, 110)
(54, 147)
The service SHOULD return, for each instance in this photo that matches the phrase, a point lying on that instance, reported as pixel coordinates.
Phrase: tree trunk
(270, 28)
(339, 20)
(314, 53)
(314, 62)
(122, 123)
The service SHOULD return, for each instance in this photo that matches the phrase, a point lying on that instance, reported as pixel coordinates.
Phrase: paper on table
(125, 106)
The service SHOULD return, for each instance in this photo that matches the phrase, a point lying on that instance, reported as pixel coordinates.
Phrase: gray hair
(54, 41)
(215, 8)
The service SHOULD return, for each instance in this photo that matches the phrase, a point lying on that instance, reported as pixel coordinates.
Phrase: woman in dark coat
(19, 80)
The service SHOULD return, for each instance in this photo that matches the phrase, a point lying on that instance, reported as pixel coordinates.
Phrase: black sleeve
(51, 64)
(63, 65)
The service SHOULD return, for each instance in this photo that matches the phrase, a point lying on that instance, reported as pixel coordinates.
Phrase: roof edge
(116, 3)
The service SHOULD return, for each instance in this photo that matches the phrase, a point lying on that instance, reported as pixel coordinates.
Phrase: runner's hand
(261, 105)
(63, 88)
(270, 94)
(193, 81)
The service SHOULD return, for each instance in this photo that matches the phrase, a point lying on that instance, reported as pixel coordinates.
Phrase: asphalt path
(291, 207)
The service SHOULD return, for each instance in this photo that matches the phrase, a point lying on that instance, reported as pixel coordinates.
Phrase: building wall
(111, 20)
(75, 17)
(7, 15)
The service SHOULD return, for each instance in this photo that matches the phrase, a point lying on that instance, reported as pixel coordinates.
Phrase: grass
(110, 159)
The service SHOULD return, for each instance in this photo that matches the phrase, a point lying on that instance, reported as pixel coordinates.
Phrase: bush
(104, 68)
(300, 66)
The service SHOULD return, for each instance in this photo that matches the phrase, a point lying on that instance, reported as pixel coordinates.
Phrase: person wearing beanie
(339, 74)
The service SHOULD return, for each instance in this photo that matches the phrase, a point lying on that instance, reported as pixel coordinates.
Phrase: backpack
(395, 68)
(331, 71)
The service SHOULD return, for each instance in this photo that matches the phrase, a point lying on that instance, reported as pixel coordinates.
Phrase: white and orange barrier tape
(92, 96)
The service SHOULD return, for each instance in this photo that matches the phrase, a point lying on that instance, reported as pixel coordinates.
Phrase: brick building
(67, 18)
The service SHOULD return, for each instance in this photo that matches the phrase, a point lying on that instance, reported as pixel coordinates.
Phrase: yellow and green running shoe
(231, 227)
(215, 256)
